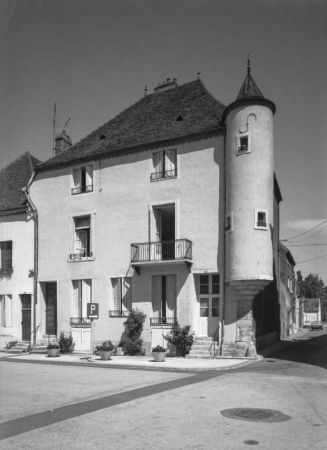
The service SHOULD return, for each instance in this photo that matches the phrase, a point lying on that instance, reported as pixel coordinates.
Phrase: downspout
(224, 252)
(36, 249)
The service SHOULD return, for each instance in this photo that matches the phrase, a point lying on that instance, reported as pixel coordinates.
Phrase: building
(171, 207)
(289, 301)
(17, 231)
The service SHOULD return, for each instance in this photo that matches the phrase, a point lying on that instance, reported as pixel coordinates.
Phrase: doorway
(208, 305)
(162, 232)
(51, 309)
(26, 316)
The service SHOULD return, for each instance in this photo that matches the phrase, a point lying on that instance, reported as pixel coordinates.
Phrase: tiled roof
(185, 110)
(249, 89)
(13, 178)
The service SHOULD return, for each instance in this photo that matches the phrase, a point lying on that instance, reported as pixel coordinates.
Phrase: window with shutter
(122, 296)
(6, 310)
(82, 294)
(164, 165)
(2, 310)
(164, 293)
(82, 242)
(82, 180)
(6, 257)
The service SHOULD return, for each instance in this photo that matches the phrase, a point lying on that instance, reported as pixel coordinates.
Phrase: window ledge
(83, 259)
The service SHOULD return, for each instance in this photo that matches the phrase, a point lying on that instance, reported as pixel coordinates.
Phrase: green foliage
(159, 349)
(66, 344)
(311, 286)
(181, 338)
(133, 329)
(10, 344)
(53, 345)
(106, 346)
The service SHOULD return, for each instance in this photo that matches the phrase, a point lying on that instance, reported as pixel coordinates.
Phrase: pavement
(146, 362)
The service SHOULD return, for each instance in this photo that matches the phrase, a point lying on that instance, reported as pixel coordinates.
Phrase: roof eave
(246, 102)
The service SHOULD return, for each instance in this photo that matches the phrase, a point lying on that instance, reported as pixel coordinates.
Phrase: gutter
(36, 250)
(222, 339)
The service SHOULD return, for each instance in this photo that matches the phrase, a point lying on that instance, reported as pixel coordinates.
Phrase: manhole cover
(251, 442)
(255, 415)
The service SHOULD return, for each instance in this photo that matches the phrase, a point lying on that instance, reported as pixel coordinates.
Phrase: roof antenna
(66, 124)
(145, 91)
(54, 126)
(249, 68)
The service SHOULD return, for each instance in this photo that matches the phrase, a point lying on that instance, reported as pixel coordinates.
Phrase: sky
(94, 58)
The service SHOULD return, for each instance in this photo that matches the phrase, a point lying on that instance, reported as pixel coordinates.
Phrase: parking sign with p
(92, 310)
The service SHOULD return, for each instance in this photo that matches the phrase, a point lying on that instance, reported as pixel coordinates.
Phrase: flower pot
(159, 356)
(52, 352)
(105, 355)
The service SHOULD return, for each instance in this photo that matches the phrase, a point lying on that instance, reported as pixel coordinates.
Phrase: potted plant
(53, 349)
(159, 353)
(105, 350)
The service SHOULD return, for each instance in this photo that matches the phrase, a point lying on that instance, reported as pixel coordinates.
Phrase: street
(54, 406)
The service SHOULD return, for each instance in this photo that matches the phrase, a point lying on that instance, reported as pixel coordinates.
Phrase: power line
(318, 257)
(305, 232)
(304, 245)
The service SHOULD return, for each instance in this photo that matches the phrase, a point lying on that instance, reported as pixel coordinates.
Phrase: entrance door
(51, 309)
(208, 305)
(26, 316)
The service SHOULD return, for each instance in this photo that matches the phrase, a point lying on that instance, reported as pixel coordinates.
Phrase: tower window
(244, 143)
(261, 219)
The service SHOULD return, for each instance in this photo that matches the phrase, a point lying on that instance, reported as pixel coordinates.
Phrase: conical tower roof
(249, 94)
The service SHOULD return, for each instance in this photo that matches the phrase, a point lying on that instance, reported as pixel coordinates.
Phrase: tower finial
(249, 68)
(145, 91)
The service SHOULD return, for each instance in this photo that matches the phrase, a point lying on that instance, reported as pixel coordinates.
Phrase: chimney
(166, 85)
(62, 143)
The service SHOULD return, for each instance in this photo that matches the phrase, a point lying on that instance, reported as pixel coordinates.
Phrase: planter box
(53, 352)
(159, 356)
(105, 355)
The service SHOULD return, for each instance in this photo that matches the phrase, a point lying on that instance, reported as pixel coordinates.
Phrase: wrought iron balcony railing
(162, 321)
(6, 270)
(82, 189)
(180, 249)
(80, 321)
(157, 176)
(261, 223)
(118, 313)
(80, 255)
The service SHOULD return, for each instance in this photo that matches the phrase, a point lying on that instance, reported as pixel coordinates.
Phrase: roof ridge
(15, 160)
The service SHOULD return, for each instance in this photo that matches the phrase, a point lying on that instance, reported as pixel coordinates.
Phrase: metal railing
(34, 333)
(80, 321)
(161, 251)
(163, 321)
(118, 313)
(261, 223)
(82, 189)
(80, 255)
(214, 343)
(157, 176)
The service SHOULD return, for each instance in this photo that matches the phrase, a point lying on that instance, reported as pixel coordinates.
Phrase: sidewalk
(141, 362)
(273, 349)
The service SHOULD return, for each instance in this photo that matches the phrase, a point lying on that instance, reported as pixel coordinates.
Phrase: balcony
(118, 313)
(82, 189)
(179, 250)
(158, 176)
(79, 321)
(155, 321)
(81, 255)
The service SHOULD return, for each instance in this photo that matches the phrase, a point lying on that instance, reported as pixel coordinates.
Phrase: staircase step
(39, 349)
(203, 348)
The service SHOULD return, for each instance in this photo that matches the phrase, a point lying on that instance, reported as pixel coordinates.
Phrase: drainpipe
(224, 251)
(36, 249)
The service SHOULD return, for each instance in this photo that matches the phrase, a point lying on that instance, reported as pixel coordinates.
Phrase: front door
(26, 316)
(51, 309)
(208, 304)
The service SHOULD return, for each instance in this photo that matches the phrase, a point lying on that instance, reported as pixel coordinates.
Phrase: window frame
(123, 311)
(81, 317)
(160, 175)
(258, 211)
(6, 310)
(6, 268)
(239, 137)
(88, 253)
(80, 179)
(210, 295)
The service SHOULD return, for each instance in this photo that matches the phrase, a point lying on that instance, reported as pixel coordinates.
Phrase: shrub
(181, 339)
(10, 344)
(133, 329)
(159, 349)
(66, 344)
(106, 346)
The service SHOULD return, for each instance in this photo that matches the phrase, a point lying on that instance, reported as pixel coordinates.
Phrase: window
(209, 289)
(122, 296)
(244, 143)
(82, 245)
(82, 180)
(229, 222)
(5, 310)
(82, 294)
(261, 219)
(164, 165)
(164, 293)
(6, 257)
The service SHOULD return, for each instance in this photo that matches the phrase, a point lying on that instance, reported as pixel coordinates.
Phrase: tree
(311, 286)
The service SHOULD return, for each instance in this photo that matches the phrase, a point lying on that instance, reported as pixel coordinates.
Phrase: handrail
(214, 343)
(34, 331)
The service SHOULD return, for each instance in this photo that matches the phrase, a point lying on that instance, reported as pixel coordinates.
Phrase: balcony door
(162, 232)
(164, 299)
(26, 316)
(208, 305)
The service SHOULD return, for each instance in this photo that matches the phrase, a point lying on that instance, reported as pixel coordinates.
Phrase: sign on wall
(92, 310)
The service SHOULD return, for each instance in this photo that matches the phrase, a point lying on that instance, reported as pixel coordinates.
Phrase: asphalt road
(55, 407)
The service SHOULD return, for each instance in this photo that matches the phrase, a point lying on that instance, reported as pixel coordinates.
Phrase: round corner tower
(249, 190)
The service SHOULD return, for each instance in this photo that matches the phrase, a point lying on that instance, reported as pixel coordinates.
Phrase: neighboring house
(171, 207)
(16, 252)
(289, 302)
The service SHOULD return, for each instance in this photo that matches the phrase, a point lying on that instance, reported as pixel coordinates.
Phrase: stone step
(203, 348)
(39, 349)
(20, 347)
